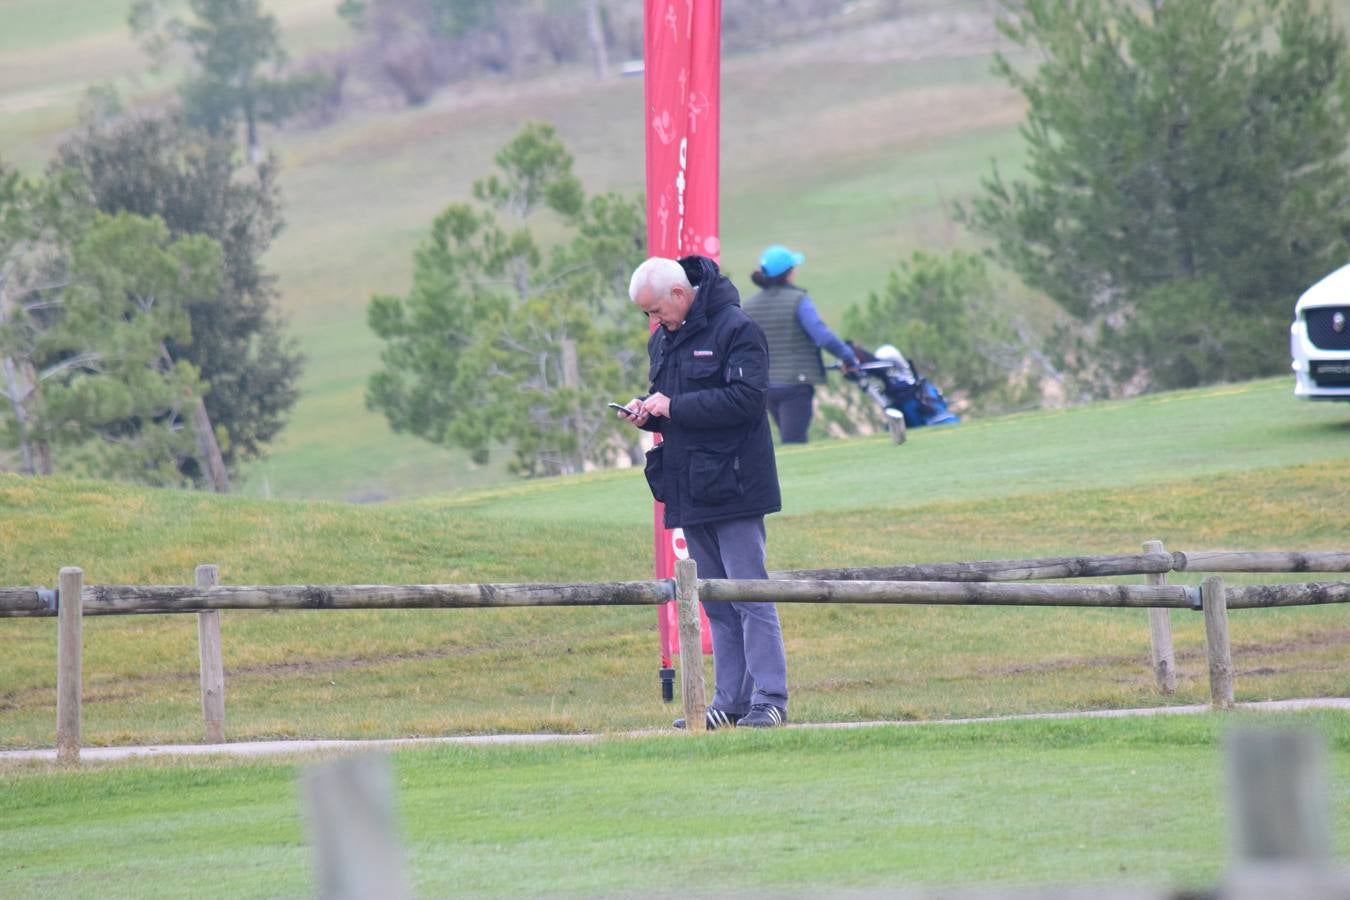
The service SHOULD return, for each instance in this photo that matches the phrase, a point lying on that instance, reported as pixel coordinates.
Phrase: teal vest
(794, 357)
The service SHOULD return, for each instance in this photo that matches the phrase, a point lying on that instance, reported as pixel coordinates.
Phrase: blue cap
(777, 259)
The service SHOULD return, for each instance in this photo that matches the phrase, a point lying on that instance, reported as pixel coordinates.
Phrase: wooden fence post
(691, 645)
(1278, 785)
(69, 664)
(1215, 602)
(1160, 633)
(1277, 779)
(353, 827)
(212, 662)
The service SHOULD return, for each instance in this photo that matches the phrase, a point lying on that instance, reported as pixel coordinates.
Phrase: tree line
(138, 331)
(415, 48)
(1184, 179)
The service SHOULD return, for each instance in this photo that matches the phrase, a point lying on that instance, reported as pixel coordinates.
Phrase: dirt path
(283, 748)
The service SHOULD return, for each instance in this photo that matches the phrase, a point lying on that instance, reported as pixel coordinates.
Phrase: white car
(1319, 339)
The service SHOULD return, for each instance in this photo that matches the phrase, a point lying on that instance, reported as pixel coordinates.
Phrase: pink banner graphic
(681, 66)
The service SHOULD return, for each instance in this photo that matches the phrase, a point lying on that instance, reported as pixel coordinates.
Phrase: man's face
(667, 309)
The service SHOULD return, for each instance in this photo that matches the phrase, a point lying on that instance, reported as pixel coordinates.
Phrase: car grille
(1330, 373)
(1321, 330)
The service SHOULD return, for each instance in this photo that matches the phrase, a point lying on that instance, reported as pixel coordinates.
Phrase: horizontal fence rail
(944, 593)
(124, 599)
(27, 602)
(115, 599)
(979, 583)
(1052, 567)
(1261, 596)
(996, 569)
(1260, 561)
(112, 600)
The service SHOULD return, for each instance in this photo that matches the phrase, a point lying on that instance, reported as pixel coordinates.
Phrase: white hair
(658, 273)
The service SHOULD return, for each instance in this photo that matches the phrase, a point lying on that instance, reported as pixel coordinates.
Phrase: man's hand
(657, 404)
(635, 413)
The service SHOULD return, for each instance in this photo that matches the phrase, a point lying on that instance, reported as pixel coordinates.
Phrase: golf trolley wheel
(897, 427)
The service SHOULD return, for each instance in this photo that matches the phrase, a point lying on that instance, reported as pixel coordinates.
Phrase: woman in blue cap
(796, 335)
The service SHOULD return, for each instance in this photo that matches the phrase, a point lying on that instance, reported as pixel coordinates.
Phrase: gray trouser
(749, 664)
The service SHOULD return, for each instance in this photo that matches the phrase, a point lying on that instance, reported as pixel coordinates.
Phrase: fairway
(1135, 801)
(1207, 434)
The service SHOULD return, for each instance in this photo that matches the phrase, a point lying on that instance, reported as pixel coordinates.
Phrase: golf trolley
(905, 398)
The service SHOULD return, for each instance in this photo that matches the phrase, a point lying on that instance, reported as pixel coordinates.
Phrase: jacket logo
(703, 354)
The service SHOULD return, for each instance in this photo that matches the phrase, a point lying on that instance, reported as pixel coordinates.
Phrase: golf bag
(906, 398)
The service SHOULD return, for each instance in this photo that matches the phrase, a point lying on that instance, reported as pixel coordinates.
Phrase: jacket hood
(715, 290)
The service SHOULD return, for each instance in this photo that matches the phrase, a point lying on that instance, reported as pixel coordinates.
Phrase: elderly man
(714, 468)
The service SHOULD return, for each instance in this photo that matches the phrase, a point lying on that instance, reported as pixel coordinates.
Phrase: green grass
(1244, 467)
(867, 177)
(804, 811)
(1205, 434)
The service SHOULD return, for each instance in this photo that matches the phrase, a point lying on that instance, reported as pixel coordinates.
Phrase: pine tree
(1185, 179)
(239, 65)
(158, 167)
(502, 344)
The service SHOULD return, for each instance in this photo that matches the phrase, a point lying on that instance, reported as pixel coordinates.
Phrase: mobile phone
(623, 409)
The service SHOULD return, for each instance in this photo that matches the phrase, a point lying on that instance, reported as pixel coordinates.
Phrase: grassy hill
(1242, 467)
(852, 147)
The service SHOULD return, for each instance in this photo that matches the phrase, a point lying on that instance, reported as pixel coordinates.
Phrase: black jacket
(715, 460)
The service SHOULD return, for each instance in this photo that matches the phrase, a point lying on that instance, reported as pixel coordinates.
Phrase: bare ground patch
(115, 689)
(1242, 652)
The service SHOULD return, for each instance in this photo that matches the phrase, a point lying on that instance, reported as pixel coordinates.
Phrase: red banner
(681, 74)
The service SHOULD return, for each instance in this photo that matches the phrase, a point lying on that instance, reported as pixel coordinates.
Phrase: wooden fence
(965, 583)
